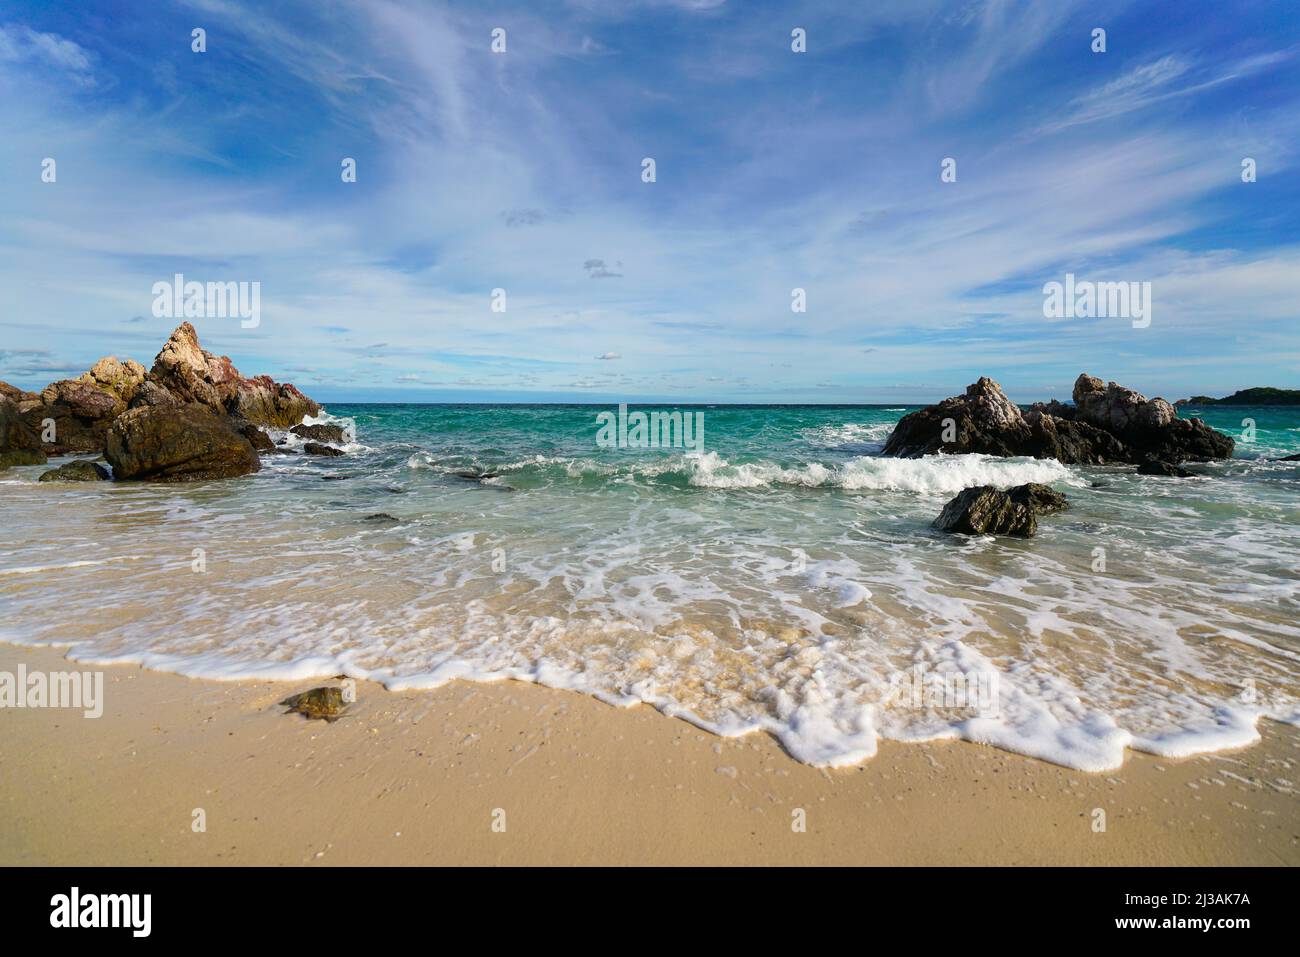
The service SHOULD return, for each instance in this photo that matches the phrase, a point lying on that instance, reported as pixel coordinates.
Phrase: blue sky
(775, 170)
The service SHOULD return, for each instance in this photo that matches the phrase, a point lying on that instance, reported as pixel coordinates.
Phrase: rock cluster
(1107, 424)
(191, 416)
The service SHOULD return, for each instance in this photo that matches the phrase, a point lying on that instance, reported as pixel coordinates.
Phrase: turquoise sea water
(783, 578)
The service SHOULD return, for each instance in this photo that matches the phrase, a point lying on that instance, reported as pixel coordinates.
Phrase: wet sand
(512, 773)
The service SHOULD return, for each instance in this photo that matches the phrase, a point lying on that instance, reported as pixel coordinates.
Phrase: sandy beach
(514, 774)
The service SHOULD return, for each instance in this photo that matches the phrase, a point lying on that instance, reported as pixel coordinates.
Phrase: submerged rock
(82, 470)
(326, 704)
(315, 448)
(986, 510)
(185, 444)
(1107, 424)
(1154, 467)
(320, 433)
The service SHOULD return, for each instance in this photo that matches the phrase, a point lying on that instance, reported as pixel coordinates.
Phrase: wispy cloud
(481, 171)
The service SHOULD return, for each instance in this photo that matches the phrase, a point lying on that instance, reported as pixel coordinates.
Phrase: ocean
(783, 578)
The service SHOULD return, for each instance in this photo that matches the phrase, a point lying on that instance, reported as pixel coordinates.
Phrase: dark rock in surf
(185, 444)
(82, 470)
(315, 448)
(1107, 424)
(320, 433)
(986, 510)
(257, 438)
(1154, 467)
(1150, 427)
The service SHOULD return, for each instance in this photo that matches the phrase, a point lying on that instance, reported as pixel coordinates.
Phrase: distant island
(1260, 395)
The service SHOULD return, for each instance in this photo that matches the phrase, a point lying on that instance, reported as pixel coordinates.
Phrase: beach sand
(423, 777)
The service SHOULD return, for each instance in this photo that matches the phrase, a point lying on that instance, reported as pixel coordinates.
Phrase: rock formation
(986, 510)
(1150, 428)
(181, 444)
(192, 415)
(190, 373)
(1107, 424)
(83, 408)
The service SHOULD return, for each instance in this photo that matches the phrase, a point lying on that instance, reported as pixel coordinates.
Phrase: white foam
(931, 475)
(37, 569)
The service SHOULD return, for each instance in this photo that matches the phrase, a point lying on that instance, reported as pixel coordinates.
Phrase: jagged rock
(16, 395)
(19, 445)
(1154, 467)
(315, 448)
(1289, 458)
(83, 408)
(82, 470)
(1071, 442)
(1150, 427)
(182, 444)
(1108, 424)
(982, 420)
(122, 379)
(320, 433)
(986, 510)
(153, 393)
(267, 402)
(192, 374)
(145, 415)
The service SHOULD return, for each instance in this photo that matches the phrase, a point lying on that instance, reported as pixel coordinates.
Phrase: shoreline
(422, 777)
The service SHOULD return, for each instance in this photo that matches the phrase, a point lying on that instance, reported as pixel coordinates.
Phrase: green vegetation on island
(1260, 395)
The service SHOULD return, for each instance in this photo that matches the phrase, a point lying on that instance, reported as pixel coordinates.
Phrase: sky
(775, 170)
